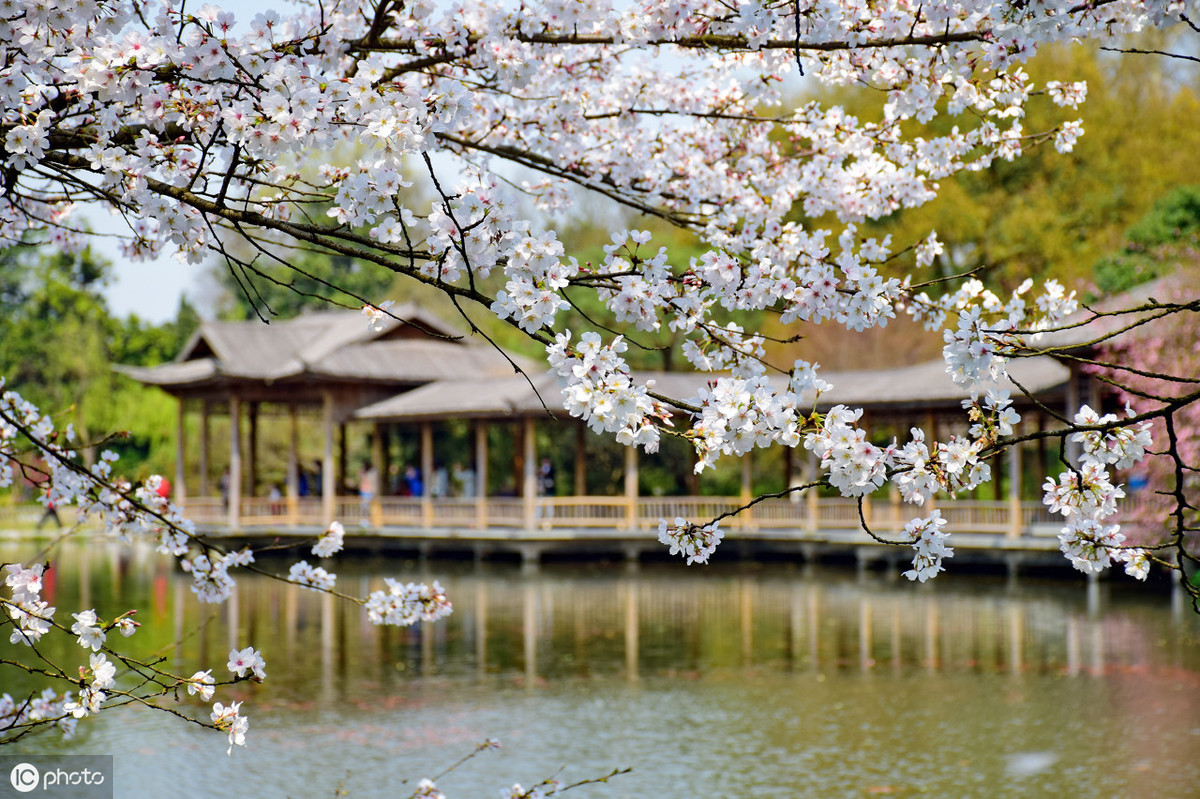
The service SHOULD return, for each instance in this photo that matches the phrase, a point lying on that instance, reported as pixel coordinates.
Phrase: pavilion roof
(412, 349)
(922, 385)
(475, 397)
(929, 384)
(1180, 285)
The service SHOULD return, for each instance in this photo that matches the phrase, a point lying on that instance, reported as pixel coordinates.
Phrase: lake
(733, 679)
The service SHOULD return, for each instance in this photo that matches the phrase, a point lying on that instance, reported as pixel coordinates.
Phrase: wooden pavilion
(330, 362)
(420, 373)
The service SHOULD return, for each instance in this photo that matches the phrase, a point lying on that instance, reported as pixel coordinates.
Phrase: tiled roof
(336, 345)
(481, 397)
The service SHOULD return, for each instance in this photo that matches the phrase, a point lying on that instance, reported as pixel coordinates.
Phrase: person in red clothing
(50, 514)
(164, 488)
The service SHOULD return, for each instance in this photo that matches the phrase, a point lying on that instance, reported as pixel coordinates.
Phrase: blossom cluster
(229, 720)
(32, 614)
(91, 695)
(314, 577)
(988, 331)
(248, 661)
(693, 542)
(600, 390)
(405, 604)
(330, 542)
(33, 619)
(1086, 496)
(210, 572)
(929, 542)
(47, 707)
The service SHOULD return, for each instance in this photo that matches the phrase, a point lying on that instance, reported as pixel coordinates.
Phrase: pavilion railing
(769, 518)
(772, 516)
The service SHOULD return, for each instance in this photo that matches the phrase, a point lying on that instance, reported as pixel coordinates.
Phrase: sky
(150, 289)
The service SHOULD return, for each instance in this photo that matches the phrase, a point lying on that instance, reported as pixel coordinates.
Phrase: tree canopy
(58, 344)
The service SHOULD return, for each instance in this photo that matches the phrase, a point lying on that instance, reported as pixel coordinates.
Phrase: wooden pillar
(252, 450)
(385, 477)
(1015, 521)
(1093, 391)
(427, 474)
(293, 466)
(811, 496)
(897, 509)
(631, 487)
(529, 471)
(180, 448)
(378, 465)
(581, 459)
(234, 489)
(1073, 401)
(1041, 449)
(204, 435)
(747, 491)
(328, 491)
(867, 512)
(341, 459)
(481, 473)
(789, 471)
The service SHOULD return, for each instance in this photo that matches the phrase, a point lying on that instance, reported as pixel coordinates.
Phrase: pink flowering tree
(1159, 372)
(206, 137)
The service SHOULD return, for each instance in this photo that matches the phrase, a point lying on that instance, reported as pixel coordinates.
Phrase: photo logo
(24, 777)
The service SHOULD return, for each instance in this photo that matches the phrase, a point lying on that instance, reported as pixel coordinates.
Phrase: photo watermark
(57, 776)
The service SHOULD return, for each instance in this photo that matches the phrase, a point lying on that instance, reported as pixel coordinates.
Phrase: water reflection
(767, 681)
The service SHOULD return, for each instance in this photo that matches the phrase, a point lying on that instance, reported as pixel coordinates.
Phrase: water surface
(727, 680)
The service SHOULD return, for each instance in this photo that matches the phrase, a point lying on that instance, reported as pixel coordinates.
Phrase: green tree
(54, 327)
(1167, 235)
(59, 342)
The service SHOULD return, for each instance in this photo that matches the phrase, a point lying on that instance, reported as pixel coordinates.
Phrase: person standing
(366, 491)
(545, 482)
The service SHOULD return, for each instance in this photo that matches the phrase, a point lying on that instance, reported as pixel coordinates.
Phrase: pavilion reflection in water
(543, 628)
(508, 623)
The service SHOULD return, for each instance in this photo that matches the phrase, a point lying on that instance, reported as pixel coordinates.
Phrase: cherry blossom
(330, 541)
(249, 660)
(229, 719)
(201, 683)
(316, 578)
(690, 541)
(404, 604)
(86, 626)
(930, 544)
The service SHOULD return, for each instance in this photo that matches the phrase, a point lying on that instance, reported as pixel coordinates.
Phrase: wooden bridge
(991, 530)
